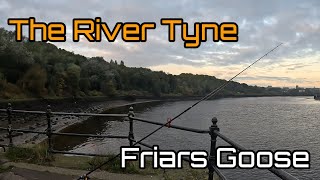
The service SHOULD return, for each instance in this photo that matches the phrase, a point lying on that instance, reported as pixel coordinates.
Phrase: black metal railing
(213, 131)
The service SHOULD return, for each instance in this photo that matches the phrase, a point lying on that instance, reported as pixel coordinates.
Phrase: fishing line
(212, 93)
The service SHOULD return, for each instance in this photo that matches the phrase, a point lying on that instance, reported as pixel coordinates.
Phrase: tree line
(38, 69)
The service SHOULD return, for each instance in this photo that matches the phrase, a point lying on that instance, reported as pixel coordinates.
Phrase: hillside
(38, 69)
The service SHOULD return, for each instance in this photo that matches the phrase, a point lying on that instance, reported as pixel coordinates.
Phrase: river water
(259, 123)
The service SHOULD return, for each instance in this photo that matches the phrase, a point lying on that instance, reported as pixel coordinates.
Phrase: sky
(262, 26)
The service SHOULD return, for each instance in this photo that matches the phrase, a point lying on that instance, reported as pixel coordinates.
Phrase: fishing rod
(212, 93)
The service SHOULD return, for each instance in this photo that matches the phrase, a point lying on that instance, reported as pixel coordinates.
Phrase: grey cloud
(263, 24)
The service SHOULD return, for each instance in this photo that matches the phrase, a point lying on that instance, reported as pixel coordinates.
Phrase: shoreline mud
(59, 123)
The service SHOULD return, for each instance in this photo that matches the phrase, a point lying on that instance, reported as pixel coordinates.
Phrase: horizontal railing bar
(282, 174)
(76, 153)
(23, 111)
(66, 134)
(23, 130)
(89, 114)
(67, 114)
(89, 135)
(219, 173)
(231, 142)
(149, 146)
(171, 126)
(3, 129)
(185, 159)
(143, 144)
(278, 172)
(28, 131)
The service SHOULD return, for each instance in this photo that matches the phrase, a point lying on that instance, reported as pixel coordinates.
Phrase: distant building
(285, 89)
(313, 90)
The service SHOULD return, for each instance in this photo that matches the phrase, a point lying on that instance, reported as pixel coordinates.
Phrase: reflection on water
(261, 123)
(99, 126)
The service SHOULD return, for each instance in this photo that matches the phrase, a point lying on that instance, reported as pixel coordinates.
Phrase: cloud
(262, 25)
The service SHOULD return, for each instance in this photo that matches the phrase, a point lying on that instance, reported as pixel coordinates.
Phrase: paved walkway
(23, 171)
(26, 174)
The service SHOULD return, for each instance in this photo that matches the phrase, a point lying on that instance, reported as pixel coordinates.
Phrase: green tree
(39, 68)
(108, 88)
(15, 58)
(34, 80)
(84, 84)
(73, 77)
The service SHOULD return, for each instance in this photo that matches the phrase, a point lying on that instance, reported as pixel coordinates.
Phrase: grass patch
(36, 154)
(72, 162)
(114, 166)
(5, 169)
(88, 163)
(186, 173)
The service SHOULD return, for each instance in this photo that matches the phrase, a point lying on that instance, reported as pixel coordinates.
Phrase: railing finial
(131, 113)
(214, 121)
(48, 108)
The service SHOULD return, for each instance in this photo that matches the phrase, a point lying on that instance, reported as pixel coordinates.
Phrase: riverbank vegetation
(37, 154)
(41, 70)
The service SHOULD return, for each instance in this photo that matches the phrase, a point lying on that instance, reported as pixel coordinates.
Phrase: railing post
(212, 156)
(9, 113)
(130, 115)
(49, 129)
